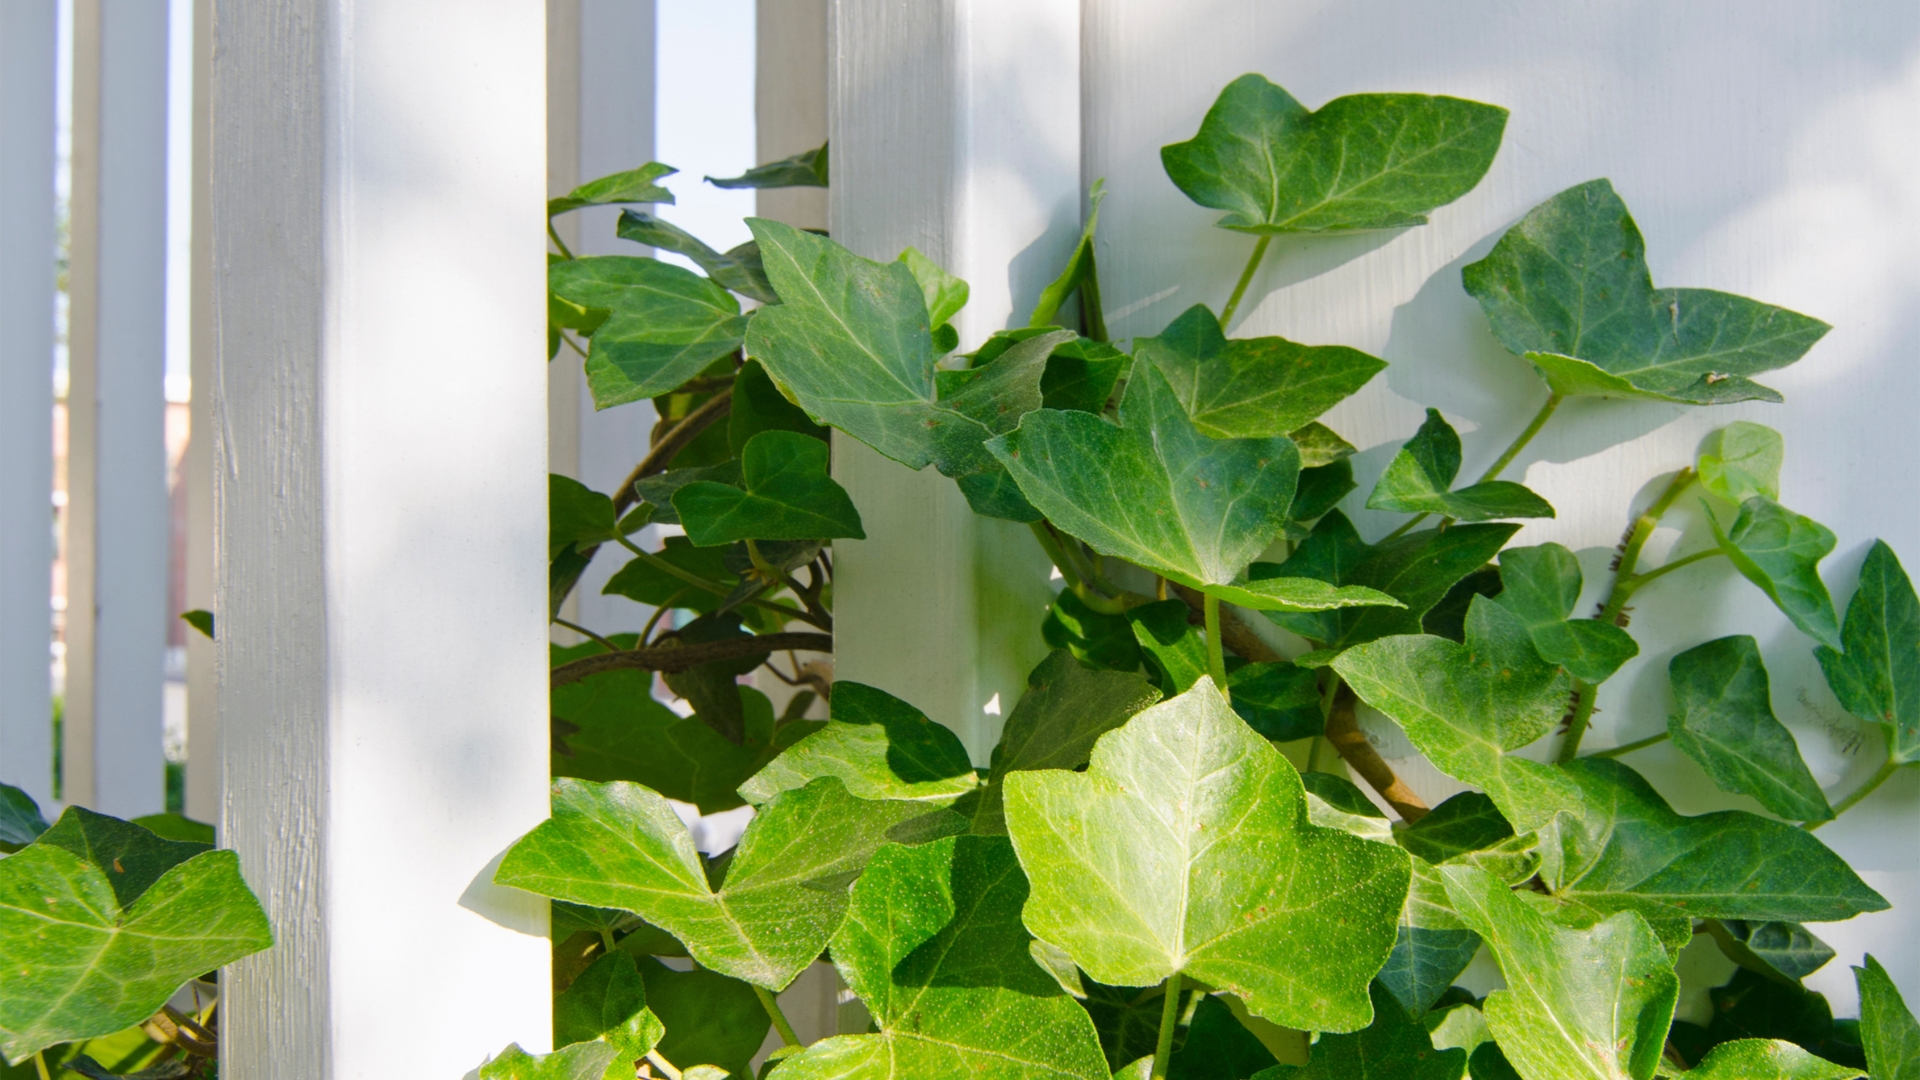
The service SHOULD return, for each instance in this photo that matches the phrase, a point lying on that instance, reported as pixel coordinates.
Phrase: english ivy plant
(1164, 870)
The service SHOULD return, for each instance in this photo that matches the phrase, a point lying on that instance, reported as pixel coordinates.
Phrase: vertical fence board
(203, 707)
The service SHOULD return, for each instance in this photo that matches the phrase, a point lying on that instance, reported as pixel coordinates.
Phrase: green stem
(1405, 527)
(1216, 656)
(557, 242)
(666, 1067)
(668, 568)
(1859, 793)
(584, 632)
(40, 1063)
(1628, 748)
(606, 939)
(779, 1018)
(1169, 1017)
(1633, 584)
(1246, 279)
(1520, 443)
(1072, 573)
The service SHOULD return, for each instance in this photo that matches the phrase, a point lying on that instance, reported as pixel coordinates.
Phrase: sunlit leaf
(667, 324)
(805, 169)
(1419, 478)
(631, 186)
(1742, 460)
(738, 270)
(1251, 388)
(1765, 1059)
(1780, 551)
(1541, 585)
(1878, 678)
(879, 746)
(1393, 1045)
(581, 1061)
(608, 1003)
(1888, 1031)
(1726, 724)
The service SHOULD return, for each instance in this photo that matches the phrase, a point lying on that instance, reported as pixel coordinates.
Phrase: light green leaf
(1175, 651)
(20, 820)
(1726, 724)
(934, 947)
(709, 1018)
(1319, 446)
(1418, 479)
(738, 270)
(1291, 918)
(1780, 551)
(879, 746)
(621, 845)
(785, 494)
(1568, 288)
(1579, 1004)
(1065, 709)
(1766, 1059)
(1541, 585)
(581, 1061)
(608, 1003)
(1888, 1031)
(944, 294)
(632, 186)
(1300, 595)
(1742, 460)
(1251, 388)
(1367, 161)
(805, 169)
(1393, 1047)
(667, 324)
(1627, 849)
(175, 826)
(93, 947)
(1878, 678)
(1465, 706)
(1081, 275)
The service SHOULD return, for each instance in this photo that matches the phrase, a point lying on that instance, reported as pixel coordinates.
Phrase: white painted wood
(377, 212)
(28, 38)
(1765, 148)
(203, 707)
(118, 521)
(790, 101)
(955, 129)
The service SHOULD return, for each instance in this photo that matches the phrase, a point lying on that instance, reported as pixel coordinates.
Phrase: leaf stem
(780, 1024)
(666, 1067)
(1072, 572)
(1246, 279)
(584, 632)
(653, 620)
(668, 568)
(1859, 793)
(1628, 748)
(40, 1063)
(1520, 442)
(1169, 1017)
(1216, 657)
(557, 242)
(606, 939)
(1633, 583)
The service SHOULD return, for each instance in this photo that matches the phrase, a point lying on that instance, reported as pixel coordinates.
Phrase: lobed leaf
(607, 1003)
(1877, 678)
(1726, 725)
(759, 406)
(1742, 460)
(581, 1061)
(1785, 948)
(785, 493)
(1081, 275)
(879, 747)
(666, 324)
(1419, 478)
(657, 491)
(1766, 1059)
(1541, 585)
(738, 270)
(1253, 388)
(631, 186)
(577, 516)
(710, 1019)
(1888, 1031)
(1780, 551)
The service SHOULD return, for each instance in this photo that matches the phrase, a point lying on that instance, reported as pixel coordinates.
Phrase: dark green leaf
(1417, 569)
(992, 493)
(657, 490)
(1127, 1019)
(1448, 618)
(644, 583)
(805, 169)
(1726, 724)
(713, 688)
(1878, 678)
(1081, 276)
(667, 324)
(1340, 793)
(1095, 638)
(200, 619)
(1252, 388)
(172, 826)
(1752, 1006)
(1465, 822)
(1291, 918)
(709, 1018)
(1217, 1046)
(1568, 288)
(582, 1061)
(632, 186)
(1541, 585)
(1488, 1063)
(20, 820)
(758, 406)
(1786, 948)
(738, 270)
(785, 494)
(1780, 551)
(1742, 460)
(1366, 161)
(1176, 652)
(1321, 488)
(1330, 553)
(1418, 479)
(133, 858)
(93, 1070)
(607, 1003)
(1888, 1031)
(1081, 375)
(1394, 1045)
(1424, 962)
(879, 746)
(577, 516)
(1278, 700)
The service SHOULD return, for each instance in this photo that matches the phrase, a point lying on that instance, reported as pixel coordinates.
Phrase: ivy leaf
(1393, 1045)
(1175, 651)
(1280, 701)
(1878, 678)
(934, 947)
(100, 925)
(1081, 375)
(577, 516)
(1742, 460)
(758, 406)
(1251, 388)
(709, 1018)
(738, 270)
(1291, 918)
(1783, 947)
(1418, 479)
(878, 746)
(1780, 551)
(1463, 823)
(1095, 638)
(1465, 706)
(1765, 1059)
(657, 491)
(1081, 275)
(1541, 585)
(581, 1061)
(805, 169)
(1319, 446)
(667, 323)
(1568, 288)
(1628, 849)
(785, 494)
(1579, 1003)
(1065, 709)
(1755, 1006)
(632, 186)
(621, 845)
(1726, 725)
(644, 583)
(20, 820)
(1215, 1045)
(1888, 1031)
(93, 1070)
(944, 293)
(1367, 161)
(608, 1003)
(1321, 488)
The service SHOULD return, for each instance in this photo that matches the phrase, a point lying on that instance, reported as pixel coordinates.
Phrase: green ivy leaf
(1765, 1059)
(1568, 288)
(1065, 709)
(1281, 701)
(667, 324)
(934, 947)
(101, 921)
(805, 169)
(1095, 638)
(644, 583)
(1878, 678)
(759, 406)
(608, 1003)
(1081, 375)
(1321, 488)
(1251, 388)
(1215, 1045)
(879, 746)
(20, 820)
(577, 516)
(786, 494)
(1463, 823)
(1465, 706)
(93, 1070)
(1888, 1031)
(709, 1018)
(1319, 446)
(632, 186)
(581, 1061)
(1291, 918)
(657, 491)
(621, 845)
(1726, 725)
(738, 270)
(200, 619)
(1580, 1003)
(1081, 275)
(1627, 849)
(1764, 947)
(1366, 161)
(1780, 551)
(1541, 585)
(1418, 479)
(1742, 460)
(1175, 650)
(175, 826)
(1755, 1006)
(1423, 964)
(944, 293)
(1393, 1045)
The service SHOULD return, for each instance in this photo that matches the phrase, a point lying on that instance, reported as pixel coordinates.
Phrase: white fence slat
(27, 101)
(378, 238)
(955, 128)
(203, 706)
(118, 521)
(790, 101)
